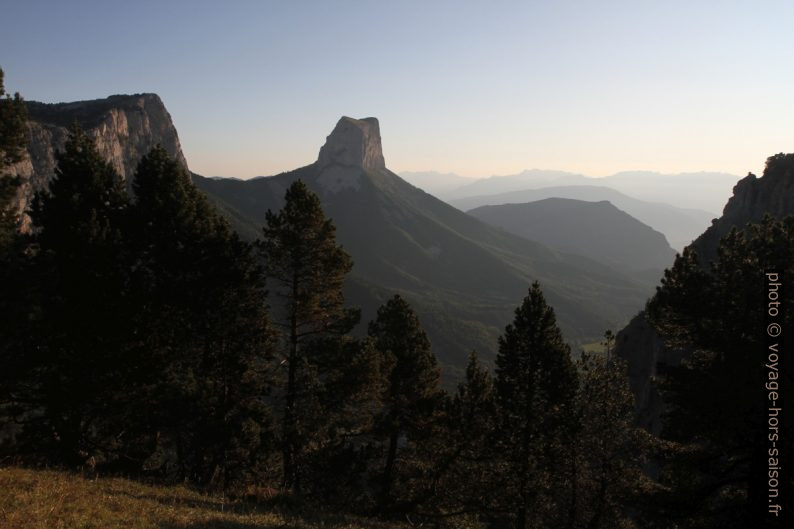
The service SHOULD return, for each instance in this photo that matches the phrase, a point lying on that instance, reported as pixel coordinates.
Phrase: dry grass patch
(47, 499)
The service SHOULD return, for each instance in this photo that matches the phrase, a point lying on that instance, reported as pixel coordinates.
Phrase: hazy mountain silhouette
(680, 226)
(706, 191)
(594, 229)
(532, 178)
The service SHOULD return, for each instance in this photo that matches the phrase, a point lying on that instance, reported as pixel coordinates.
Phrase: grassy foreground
(49, 499)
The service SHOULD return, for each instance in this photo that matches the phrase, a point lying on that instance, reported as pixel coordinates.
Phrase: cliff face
(752, 198)
(124, 127)
(638, 343)
(646, 354)
(352, 148)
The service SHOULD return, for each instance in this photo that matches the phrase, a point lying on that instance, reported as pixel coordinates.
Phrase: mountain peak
(353, 143)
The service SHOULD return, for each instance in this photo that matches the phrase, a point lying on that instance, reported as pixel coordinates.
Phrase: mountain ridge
(594, 229)
(679, 225)
(703, 190)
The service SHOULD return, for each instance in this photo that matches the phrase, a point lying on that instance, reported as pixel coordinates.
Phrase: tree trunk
(289, 448)
(389, 468)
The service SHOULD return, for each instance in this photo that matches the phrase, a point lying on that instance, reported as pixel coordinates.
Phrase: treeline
(141, 336)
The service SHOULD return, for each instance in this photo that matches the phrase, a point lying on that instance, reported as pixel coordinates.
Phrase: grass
(49, 499)
(592, 347)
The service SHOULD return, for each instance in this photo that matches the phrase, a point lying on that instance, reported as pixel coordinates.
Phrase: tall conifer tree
(605, 453)
(81, 320)
(717, 403)
(467, 476)
(15, 301)
(203, 328)
(13, 140)
(306, 270)
(411, 385)
(535, 385)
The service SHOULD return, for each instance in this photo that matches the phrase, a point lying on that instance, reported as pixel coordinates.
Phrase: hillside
(679, 225)
(48, 499)
(594, 229)
(463, 276)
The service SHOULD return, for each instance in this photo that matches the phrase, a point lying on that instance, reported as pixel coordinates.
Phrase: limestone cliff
(352, 148)
(124, 127)
(638, 343)
(354, 142)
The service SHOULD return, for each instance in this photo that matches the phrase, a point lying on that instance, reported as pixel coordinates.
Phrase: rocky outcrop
(639, 344)
(352, 148)
(752, 198)
(353, 142)
(124, 127)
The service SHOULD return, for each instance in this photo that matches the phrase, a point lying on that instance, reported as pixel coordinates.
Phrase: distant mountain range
(706, 191)
(593, 229)
(680, 226)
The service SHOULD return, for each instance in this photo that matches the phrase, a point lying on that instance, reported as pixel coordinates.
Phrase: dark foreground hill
(463, 276)
(594, 229)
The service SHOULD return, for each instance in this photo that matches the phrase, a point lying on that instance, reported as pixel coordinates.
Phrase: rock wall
(124, 127)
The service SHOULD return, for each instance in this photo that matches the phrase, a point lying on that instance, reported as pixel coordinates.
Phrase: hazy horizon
(595, 89)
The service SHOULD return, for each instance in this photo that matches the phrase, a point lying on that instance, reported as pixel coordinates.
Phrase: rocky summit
(352, 148)
(353, 143)
(752, 198)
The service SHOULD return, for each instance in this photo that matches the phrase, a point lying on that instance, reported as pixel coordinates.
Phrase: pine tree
(535, 386)
(81, 315)
(712, 471)
(606, 451)
(13, 141)
(15, 304)
(466, 477)
(306, 270)
(203, 328)
(411, 387)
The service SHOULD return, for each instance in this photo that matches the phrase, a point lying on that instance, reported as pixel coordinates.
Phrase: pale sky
(476, 88)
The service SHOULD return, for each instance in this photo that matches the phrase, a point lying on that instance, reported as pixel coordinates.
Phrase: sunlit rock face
(125, 128)
(352, 148)
(354, 142)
